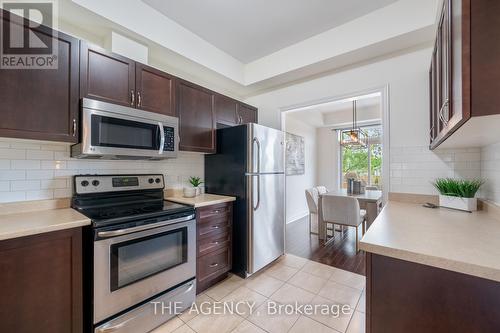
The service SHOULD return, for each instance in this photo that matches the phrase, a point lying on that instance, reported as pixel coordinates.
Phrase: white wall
(35, 170)
(296, 205)
(327, 158)
(490, 172)
(406, 75)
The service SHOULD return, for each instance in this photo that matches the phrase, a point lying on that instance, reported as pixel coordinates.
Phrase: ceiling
(337, 113)
(249, 30)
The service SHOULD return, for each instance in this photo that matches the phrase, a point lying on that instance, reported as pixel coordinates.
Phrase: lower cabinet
(214, 250)
(403, 296)
(41, 283)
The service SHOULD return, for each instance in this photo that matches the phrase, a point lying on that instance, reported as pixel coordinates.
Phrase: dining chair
(321, 190)
(312, 197)
(341, 210)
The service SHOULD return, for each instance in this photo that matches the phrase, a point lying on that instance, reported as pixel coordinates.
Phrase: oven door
(135, 266)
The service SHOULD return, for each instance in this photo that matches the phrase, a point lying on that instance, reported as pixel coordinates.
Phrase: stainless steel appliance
(143, 251)
(249, 164)
(112, 131)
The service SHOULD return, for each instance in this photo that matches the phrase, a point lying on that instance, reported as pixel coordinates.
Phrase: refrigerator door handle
(255, 140)
(255, 207)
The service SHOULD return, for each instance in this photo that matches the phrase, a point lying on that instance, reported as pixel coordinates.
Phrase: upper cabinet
(115, 79)
(226, 110)
(155, 90)
(195, 107)
(41, 104)
(246, 114)
(464, 76)
(106, 76)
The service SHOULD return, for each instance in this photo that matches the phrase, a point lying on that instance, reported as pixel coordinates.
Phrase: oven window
(137, 259)
(114, 132)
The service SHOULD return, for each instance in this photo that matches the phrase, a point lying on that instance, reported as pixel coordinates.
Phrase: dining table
(371, 201)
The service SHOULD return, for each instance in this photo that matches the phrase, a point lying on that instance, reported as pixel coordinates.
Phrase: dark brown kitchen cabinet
(195, 107)
(41, 104)
(403, 296)
(106, 76)
(214, 244)
(154, 90)
(464, 77)
(226, 110)
(246, 114)
(41, 283)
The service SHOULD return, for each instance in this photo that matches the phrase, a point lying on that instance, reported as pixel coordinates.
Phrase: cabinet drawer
(213, 228)
(214, 264)
(214, 212)
(215, 242)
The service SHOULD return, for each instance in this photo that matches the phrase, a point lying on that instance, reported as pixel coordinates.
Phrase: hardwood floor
(340, 253)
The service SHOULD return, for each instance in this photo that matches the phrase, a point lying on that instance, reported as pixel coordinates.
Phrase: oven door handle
(162, 138)
(120, 232)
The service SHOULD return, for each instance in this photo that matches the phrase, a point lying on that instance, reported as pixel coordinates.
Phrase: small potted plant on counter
(458, 193)
(191, 192)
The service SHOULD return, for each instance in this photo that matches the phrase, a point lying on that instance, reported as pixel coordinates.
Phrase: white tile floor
(291, 279)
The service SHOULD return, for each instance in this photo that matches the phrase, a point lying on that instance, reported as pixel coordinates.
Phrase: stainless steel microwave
(111, 131)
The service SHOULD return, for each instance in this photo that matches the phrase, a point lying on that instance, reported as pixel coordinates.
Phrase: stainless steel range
(143, 251)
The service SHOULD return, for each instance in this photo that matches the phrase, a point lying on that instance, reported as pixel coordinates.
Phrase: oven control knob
(84, 183)
(157, 180)
(151, 180)
(95, 182)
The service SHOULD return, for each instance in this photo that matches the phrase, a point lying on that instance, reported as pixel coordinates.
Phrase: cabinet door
(41, 283)
(41, 104)
(226, 110)
(434, 108)
(195, 107)
(247, 114)
(106, 76)
(155, 90)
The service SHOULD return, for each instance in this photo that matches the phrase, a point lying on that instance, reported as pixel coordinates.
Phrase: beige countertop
(37, 222)
(201, 200)
(455, 241)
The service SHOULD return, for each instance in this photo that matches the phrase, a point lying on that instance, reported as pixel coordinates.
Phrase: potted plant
(458, 193)
(191, 192)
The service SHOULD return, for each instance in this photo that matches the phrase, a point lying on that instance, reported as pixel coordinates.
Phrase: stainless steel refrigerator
(249, 164)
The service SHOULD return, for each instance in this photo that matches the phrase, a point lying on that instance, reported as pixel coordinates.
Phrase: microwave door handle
(162, 138)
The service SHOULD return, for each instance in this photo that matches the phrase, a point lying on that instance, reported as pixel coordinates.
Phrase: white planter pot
(458, 203)
(189, 192)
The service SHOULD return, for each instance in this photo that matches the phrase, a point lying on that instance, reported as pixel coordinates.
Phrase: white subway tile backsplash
(24, 185)
(24, 164)
(12, 174)
(6, 153)
(413, 169)
(39, 155)
(35, 170)
(490, 172)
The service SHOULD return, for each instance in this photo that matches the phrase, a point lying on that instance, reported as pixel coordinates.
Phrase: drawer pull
(214, 265)
(216, 211)
(215, 227)
(215, 243)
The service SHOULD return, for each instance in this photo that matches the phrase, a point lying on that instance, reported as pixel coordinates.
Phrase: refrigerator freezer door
(266, 220)
(265, 150)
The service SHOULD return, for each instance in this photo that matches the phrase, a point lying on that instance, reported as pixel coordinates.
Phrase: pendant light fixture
(354, 137)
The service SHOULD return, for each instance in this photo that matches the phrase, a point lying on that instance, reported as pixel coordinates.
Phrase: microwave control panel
(169, 144)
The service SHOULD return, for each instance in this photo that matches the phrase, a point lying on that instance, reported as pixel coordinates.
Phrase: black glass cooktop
(111, 214)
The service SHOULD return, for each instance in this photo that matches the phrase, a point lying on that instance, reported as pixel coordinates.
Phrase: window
(363, 163)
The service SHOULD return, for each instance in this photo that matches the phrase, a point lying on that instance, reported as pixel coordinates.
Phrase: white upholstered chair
(312, 197)
(341, 210)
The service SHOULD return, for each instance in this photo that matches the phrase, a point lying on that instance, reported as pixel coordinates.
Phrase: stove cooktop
(106, 215)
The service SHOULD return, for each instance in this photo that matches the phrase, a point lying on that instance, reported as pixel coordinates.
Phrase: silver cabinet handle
(119, 232)
(139, 99)
(215, 243)
(162, 138)
(216, 211)
(215, 227)
(74, 127)
(213, 265)
(132, 97)
(441, 116)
